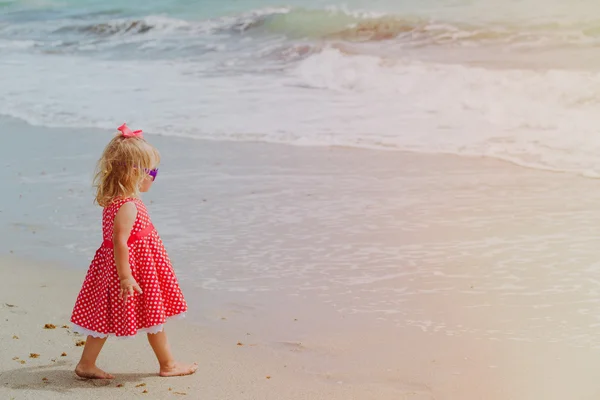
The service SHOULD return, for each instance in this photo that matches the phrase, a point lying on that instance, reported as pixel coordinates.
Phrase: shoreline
(587, 174)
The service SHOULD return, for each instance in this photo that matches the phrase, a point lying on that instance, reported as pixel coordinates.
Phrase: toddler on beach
(130, 286)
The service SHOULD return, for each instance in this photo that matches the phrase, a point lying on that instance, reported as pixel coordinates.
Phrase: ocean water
(516, 80)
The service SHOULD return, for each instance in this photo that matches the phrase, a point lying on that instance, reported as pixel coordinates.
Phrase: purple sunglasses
(152, 173)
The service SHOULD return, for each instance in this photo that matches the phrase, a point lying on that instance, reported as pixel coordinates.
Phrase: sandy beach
(343, 273)
(38, 363)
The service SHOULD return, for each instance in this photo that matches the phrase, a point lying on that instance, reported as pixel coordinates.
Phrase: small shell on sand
(80, 343)
(63, 355)
(49, 326)
(34, 355)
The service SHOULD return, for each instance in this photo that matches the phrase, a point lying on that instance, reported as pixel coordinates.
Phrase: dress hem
(151, 329)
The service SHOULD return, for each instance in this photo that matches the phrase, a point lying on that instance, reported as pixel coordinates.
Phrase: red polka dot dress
(99, 311)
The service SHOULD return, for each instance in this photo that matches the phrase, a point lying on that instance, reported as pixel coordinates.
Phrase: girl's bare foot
(91, 372)
(178, 369)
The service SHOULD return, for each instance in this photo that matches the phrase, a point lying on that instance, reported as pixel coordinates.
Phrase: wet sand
(343, 273)
(38, 363)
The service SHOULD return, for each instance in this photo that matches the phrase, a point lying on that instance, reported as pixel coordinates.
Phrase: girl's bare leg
(168, 365)
(87, 365)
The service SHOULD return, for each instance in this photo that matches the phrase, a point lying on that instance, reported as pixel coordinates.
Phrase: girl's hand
(128, 285)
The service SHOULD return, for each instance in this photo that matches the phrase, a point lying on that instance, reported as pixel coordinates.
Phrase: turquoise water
(515, 80)
(459, 9)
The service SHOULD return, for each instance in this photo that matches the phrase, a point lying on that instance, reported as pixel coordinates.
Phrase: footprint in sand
(13, 309)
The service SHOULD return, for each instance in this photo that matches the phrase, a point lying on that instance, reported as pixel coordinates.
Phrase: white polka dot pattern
(98, 307)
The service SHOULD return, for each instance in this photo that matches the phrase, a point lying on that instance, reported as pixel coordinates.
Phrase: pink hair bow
(128, 133)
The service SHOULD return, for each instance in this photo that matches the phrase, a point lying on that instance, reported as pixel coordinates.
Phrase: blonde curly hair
(121, 169)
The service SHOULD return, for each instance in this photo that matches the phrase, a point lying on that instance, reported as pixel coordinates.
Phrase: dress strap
(133, 238)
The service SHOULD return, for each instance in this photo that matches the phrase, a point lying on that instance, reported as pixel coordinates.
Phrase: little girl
(130, 286)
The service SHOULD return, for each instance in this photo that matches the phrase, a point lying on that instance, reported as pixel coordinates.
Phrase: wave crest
(342, 25)
(124, 26)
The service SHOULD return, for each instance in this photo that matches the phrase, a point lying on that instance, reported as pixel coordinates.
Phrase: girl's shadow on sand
(59, 377)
